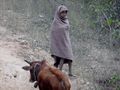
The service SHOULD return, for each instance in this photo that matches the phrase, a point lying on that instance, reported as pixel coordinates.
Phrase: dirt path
(12, 77)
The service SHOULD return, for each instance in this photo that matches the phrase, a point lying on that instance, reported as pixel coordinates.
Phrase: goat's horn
(28, 62)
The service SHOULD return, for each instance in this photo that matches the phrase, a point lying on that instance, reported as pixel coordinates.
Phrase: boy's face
(63, 14)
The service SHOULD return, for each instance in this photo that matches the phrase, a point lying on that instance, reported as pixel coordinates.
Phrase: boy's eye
(64, 12)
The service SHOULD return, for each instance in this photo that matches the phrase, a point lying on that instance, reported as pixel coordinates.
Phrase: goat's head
(33, 68)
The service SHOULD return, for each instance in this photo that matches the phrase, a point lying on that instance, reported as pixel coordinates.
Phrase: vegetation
(105, 19)
(114, 81)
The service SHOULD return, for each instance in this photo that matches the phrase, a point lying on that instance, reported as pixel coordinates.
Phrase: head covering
(60, 9)
(57, 20)
(60, 40)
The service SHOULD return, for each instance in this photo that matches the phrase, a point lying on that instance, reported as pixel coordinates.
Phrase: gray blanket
(60, 40)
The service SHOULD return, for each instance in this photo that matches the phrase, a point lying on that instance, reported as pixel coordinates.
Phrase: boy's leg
(70, 69)
(61, 64)
(57, 61)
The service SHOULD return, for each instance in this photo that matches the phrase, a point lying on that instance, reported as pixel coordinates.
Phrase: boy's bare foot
(71, 75)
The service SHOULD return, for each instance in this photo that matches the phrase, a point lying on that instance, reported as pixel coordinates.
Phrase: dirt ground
(12, 55)
(12, 77)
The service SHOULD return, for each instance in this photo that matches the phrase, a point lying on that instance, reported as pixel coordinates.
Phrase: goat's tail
(65, 86)
(65, 82)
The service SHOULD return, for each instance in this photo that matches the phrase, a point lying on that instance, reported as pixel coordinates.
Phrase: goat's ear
(27, 68)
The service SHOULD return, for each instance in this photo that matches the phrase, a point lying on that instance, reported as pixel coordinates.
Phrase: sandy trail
(12, 77)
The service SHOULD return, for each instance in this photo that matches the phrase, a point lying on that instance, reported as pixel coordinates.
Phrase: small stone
(87, 83)
(15, 76)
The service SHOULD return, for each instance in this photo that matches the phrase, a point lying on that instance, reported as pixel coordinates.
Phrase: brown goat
(47, 77)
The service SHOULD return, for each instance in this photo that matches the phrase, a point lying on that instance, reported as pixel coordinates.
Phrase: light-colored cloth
(60, 40)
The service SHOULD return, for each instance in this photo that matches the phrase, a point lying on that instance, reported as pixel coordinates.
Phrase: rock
(24, 42)
(75, 83)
